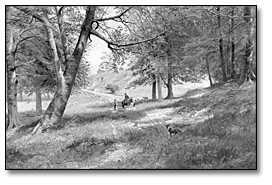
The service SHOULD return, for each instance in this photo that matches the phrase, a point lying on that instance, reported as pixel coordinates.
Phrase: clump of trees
(214, 42)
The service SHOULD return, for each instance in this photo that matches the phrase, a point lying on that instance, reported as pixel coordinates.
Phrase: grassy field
(217, 131)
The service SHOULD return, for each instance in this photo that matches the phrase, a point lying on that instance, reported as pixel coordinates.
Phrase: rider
(126, 97)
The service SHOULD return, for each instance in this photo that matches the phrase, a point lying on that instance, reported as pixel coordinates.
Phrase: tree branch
(20, 42)
(113, 17)
(60, 10)
(124, 45)
(236, 27)
(29, 13)
(164, 81)
(39, 18)
(228, 16)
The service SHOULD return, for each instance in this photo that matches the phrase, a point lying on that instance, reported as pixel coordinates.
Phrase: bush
(112, 88)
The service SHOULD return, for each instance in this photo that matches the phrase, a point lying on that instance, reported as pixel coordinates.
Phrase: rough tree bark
(169, 85)
(222, 62)
(66, 80)
(154, 87)
(159, 86)
(13, 117)
(246, 72)
(12, 82)
(232, 74)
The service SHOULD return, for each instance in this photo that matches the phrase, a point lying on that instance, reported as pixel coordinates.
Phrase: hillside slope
(101, 80)
(123, 78)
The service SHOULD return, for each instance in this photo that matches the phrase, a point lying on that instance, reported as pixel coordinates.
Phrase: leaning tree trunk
(159, 86)
(222, 62)
(13, 117)
(12, 82)
(58, 104)
(245, 75)
(154, 87)
(38, 101)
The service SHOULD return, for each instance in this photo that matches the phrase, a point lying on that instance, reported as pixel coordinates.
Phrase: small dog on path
(173, 130)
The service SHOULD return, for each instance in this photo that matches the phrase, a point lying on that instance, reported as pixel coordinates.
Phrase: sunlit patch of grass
(223, 142)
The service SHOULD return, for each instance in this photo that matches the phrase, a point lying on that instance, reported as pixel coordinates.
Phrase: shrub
(112, 88)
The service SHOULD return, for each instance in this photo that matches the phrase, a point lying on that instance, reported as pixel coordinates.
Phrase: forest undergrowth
(217, 130)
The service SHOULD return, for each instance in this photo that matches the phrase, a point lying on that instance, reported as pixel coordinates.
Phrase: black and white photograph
(153, 87)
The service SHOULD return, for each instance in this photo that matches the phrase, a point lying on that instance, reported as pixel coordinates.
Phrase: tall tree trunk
(159, 86)
(13, 117)
(58, 104)
(38, 101)
(170, 93)
(154, 87)
(232, 45)
(222, 62)
(245, 75)
(209, 73)
(228, 61)
(12, 82)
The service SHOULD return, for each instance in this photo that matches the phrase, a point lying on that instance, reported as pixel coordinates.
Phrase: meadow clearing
(217, 130)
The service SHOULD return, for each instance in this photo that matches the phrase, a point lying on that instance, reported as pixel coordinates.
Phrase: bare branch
(27, 30)
(110, 44)
(60, 10)
(114, 17)
(22, 41)
(41, 19)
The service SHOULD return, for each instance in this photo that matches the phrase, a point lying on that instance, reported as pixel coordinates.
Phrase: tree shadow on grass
(108, 115)
(104, 111)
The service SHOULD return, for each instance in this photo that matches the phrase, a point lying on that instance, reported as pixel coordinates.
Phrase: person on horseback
(126, 98)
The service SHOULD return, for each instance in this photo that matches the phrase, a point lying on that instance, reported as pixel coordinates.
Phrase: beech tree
(12, 41)
(247, 71)
(66, 60)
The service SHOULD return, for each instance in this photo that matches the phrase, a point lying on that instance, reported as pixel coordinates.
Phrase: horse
(128, 102)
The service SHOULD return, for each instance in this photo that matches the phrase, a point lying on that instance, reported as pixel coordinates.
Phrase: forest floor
(217, 130)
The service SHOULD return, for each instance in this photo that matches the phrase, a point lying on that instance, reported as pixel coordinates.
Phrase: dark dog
(173, 130)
